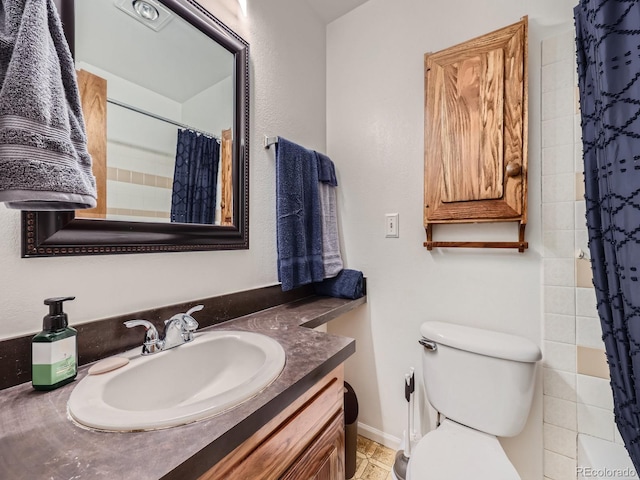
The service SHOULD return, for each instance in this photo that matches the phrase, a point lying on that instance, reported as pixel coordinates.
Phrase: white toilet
(482, 382)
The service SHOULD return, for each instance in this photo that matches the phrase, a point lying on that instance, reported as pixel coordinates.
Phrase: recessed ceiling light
(150, 13)
(146, 10)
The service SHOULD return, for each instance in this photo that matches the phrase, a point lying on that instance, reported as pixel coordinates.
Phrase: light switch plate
(391, 225)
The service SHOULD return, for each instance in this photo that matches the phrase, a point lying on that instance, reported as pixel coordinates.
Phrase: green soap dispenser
(54, 349)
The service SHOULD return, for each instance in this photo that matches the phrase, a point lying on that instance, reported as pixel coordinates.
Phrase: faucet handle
(182, 321)
(197, 308)
(188, 322)
(191, 322)
(151, 339)
(179, 328)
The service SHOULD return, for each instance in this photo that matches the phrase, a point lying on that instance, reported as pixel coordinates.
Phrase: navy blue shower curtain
(608, 52)
(193, 198)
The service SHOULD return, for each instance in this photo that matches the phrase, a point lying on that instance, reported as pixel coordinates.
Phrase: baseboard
(378, 436)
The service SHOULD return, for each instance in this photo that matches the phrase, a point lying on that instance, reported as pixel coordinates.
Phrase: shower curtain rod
(158, 117)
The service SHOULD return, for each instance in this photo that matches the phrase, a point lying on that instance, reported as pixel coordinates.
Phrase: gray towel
(331, 257)
(44, 163)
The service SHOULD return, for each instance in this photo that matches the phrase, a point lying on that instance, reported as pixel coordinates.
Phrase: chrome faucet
(178, 329)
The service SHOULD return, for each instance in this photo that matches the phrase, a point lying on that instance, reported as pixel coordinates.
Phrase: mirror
(152, 94)
(167, 91)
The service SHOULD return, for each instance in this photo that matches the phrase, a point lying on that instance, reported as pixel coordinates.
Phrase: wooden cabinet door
(475, 129)
(305, 441)
(324, 458)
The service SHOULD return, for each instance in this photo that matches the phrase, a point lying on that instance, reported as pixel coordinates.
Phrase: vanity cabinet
(305, 441)
(476, 133)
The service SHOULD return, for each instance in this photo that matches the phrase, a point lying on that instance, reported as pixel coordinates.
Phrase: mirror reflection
(158, 100)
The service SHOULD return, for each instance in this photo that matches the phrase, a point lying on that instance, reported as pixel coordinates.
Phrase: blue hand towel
(348, 284)
(44, 163)
(299, 226)
(326, 170)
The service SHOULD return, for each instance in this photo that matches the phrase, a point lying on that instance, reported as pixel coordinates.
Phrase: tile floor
(373, 461)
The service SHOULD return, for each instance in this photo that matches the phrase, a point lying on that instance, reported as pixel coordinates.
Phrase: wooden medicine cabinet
(476, 134)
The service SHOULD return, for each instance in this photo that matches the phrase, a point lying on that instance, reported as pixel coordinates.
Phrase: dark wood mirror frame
(47, 234)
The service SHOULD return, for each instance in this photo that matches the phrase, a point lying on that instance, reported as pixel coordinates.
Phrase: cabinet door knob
(513, 169)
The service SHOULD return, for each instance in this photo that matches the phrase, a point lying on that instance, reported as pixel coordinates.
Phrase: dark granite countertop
(39, 441)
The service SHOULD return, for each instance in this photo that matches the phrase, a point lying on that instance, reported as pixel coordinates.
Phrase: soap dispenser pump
(54, 349)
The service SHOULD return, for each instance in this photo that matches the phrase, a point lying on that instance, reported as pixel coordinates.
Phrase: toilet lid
(456, 452)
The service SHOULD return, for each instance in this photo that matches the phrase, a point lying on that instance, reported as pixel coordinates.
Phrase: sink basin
(216, 371)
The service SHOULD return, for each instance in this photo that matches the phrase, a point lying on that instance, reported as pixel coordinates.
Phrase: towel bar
(521, 245)
(268, 141)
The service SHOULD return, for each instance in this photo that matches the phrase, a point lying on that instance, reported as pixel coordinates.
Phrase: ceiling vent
(148, 12)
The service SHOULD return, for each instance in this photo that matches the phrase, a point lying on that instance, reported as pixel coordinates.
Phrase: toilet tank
(480, 378)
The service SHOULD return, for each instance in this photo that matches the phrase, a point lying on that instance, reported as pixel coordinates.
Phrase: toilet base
(456, 452)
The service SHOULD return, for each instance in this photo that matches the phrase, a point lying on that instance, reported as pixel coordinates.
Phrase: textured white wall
(287, 98)
(375, 136)
(217, 114)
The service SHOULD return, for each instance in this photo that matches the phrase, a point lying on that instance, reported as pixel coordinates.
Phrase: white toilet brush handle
(412, 387)
(407, 433)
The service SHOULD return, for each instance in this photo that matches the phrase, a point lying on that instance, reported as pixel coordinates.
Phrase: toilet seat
(455, 452)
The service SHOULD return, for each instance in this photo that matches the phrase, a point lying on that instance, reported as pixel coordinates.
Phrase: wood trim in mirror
(226, 177)
(46, 234)
(93, 93)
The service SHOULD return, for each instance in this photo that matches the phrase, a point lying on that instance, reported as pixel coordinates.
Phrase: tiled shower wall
(140, 179)
(577, 395)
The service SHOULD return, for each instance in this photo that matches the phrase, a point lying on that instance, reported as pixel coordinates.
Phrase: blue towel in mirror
(299, 226)
(347, 284)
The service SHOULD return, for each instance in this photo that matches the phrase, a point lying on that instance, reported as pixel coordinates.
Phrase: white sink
(216, 371)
